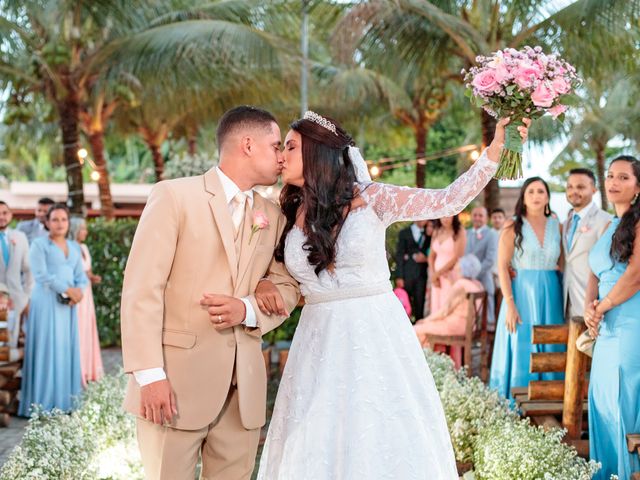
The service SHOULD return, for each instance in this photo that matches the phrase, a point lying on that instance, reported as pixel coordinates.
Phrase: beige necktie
(237, 216)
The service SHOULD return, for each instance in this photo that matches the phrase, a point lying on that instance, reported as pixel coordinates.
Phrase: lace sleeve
(396, 204)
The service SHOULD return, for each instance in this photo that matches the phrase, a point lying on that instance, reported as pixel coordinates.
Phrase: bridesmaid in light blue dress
(530, 246)
(51, 372)
(614, 388)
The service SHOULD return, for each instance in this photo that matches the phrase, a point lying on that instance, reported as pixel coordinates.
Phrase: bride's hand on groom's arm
(158, 402)
(269, 299)
(493, 151)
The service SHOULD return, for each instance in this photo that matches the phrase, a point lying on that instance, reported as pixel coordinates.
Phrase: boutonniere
(260, 222)
(479, 235)
(585, 229)
(13, 241)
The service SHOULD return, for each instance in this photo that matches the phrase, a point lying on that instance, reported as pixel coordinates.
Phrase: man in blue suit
(482, 241)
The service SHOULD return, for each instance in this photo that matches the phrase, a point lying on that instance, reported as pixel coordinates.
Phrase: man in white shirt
(585, 224)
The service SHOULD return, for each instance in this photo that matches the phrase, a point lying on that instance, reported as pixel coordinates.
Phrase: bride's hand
(498, 138)
(269, 299)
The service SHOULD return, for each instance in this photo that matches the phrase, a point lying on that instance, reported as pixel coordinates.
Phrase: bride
(356, 399)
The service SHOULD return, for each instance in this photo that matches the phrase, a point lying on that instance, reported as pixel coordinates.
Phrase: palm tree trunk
(192, 145)
(599, 150)
(69, 120)
(492, 190)
(96, 140)
(158, 161)
(421, 148)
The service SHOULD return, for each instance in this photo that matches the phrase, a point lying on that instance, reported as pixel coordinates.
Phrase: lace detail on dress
(535, 256)
(396, 204)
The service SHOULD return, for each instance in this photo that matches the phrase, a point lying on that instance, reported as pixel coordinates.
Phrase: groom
(191, 328)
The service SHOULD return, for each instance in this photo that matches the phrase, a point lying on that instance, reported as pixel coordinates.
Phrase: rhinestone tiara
(320, 120)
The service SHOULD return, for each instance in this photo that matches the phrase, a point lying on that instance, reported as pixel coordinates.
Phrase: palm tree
(582, 30)
(96, 111)
(606, 113)
(60, 48)
(49, 51)
(357, 73)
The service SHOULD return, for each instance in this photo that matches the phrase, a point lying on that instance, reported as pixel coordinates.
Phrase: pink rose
(560, 85)
(485, 81)
(502, 72)
(260, 220)
(526, 73)
(557, 110)
(543, 95)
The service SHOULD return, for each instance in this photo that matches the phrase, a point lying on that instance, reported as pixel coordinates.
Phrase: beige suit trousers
(228, 449)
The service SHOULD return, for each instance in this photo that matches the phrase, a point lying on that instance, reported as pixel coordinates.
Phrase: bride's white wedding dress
(357, 400)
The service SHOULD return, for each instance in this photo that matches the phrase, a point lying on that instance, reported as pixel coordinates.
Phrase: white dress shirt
(150, 375)
(416, 232)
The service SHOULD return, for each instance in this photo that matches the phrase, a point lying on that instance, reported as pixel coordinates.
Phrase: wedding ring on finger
(219, 319)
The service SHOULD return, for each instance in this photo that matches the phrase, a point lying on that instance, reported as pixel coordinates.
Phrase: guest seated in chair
(451, 318)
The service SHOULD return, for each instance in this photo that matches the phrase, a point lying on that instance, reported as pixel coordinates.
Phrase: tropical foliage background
(142, 83)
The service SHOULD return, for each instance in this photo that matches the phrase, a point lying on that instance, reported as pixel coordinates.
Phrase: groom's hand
(158, 402)
(224, 311)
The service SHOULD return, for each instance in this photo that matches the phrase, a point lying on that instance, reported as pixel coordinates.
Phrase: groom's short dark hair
(244, 116)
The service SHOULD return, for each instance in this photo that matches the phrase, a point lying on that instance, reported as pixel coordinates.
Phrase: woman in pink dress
(447, 247)
(451, 318)
(90, 359)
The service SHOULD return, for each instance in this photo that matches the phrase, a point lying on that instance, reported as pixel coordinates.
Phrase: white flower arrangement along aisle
(97, 441)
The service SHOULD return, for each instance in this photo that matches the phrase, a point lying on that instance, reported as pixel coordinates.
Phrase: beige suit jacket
(592, 225)
(184, 247)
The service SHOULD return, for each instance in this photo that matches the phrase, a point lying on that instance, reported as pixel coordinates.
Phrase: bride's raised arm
(396, 204)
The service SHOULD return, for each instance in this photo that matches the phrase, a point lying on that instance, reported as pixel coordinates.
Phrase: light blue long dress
(537, 293)
(614, 387)
(51, 372)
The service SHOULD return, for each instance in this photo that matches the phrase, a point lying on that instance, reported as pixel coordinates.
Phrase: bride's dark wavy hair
(327, 193)
(521, 209)
(625, 234)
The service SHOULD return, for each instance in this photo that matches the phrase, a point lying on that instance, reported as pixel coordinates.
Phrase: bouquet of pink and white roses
(519, 84)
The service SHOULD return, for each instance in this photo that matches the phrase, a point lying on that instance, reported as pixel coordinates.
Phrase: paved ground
(11, 436)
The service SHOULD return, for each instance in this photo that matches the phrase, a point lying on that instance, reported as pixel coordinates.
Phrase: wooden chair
(546, 401)
(475, 332)
(10, 365)
(491, 328)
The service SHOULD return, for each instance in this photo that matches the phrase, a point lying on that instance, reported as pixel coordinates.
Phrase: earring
(547, 210)
(635, 199)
